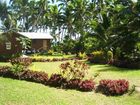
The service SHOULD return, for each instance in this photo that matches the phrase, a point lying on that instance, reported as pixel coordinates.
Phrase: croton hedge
(28, 75)
(87, 85)
(107, 87)
(113, 87)
(53, 60)
(56, 80)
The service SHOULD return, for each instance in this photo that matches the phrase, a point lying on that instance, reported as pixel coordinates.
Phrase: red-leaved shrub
(56, 80)
(34, 76)
(5, 72)
(87, 85)
(113, 87)
(73, 83)
(22, 61)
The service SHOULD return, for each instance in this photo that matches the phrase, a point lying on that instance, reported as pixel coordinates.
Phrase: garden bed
(107, 87)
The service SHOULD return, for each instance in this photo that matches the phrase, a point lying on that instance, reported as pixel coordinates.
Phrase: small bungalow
(9, 43)
(39, 41)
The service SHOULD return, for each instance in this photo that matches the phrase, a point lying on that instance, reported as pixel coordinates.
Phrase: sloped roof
(33, 35)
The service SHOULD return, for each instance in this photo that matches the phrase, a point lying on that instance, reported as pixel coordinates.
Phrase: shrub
(34, 76)
(20, 64)
(82, 55)
(52, 60)
(17, 68)
(50, 52)
(131, 64)
(113, 87)
(74, 70)
(56, 80)
(22, 61)
(73, 83)
(98, 57)
(55, 59)
(109, 57)
(87, 85)
(4, 70)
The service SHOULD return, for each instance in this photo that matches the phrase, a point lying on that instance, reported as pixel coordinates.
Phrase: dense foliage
(56, 80)
(74, 70)
(87, 85)
(79, 25)
(73, 83)
(33, 76)
(20, 64)
(113, 87)
(107, 87)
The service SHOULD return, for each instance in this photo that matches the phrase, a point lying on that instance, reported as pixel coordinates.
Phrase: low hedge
(28, 75)
(107, 87)
(56, 80)
(113, 87)
(53, 60)
(87, 85)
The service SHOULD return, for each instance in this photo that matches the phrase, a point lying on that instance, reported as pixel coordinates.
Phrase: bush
(74, 70)
(73, 83)
(131, 64)
(110, 57)
(34, 76)
(113, 87)
(4, 70)
(98, 57)
(50, 52)
(22, 61)
(20, 64)
(52, 60)
(82, 55)
(87, 85)
(56, 80)
(17, 68)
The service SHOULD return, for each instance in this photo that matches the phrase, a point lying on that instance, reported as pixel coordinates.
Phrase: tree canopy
(79, 25)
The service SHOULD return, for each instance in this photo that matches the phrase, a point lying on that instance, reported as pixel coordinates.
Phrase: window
(8, 45)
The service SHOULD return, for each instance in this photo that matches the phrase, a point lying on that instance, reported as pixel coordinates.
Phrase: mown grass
(15, 92)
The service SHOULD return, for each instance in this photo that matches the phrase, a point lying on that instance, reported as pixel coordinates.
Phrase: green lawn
(15, 92)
